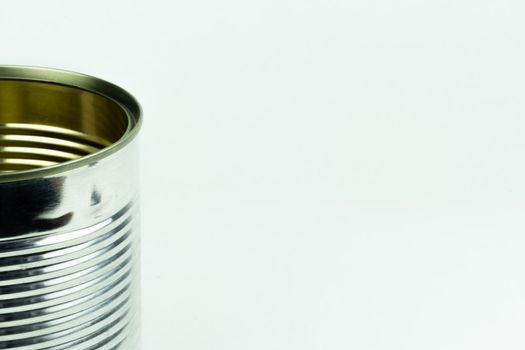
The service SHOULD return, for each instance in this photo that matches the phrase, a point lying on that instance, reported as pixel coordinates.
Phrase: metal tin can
(69, 230)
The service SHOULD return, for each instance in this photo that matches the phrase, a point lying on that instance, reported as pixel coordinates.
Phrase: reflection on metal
(69, 240)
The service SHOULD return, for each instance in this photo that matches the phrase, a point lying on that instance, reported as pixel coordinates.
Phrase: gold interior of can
(44, 124)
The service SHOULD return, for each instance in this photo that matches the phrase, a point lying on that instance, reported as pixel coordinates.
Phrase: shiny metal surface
(69, 229)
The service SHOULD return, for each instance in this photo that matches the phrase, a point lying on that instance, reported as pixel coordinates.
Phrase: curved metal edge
(85, 82)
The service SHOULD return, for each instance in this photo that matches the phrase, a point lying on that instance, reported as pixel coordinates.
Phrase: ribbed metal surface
(29, 146)
(70, 290)
(69, 231)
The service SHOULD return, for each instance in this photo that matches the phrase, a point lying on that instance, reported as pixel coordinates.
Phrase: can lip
(85, 82)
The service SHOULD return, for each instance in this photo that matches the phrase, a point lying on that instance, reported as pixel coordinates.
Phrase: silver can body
(70, 244)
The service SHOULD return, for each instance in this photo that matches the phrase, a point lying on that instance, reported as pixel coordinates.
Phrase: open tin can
(69, 228)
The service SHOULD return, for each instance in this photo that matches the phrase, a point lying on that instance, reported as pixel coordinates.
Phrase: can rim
(85, 82)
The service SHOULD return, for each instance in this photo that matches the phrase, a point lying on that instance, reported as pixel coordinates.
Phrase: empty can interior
(52, 121)
(44, 124)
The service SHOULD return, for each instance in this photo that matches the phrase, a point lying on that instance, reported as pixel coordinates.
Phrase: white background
(315, 174)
